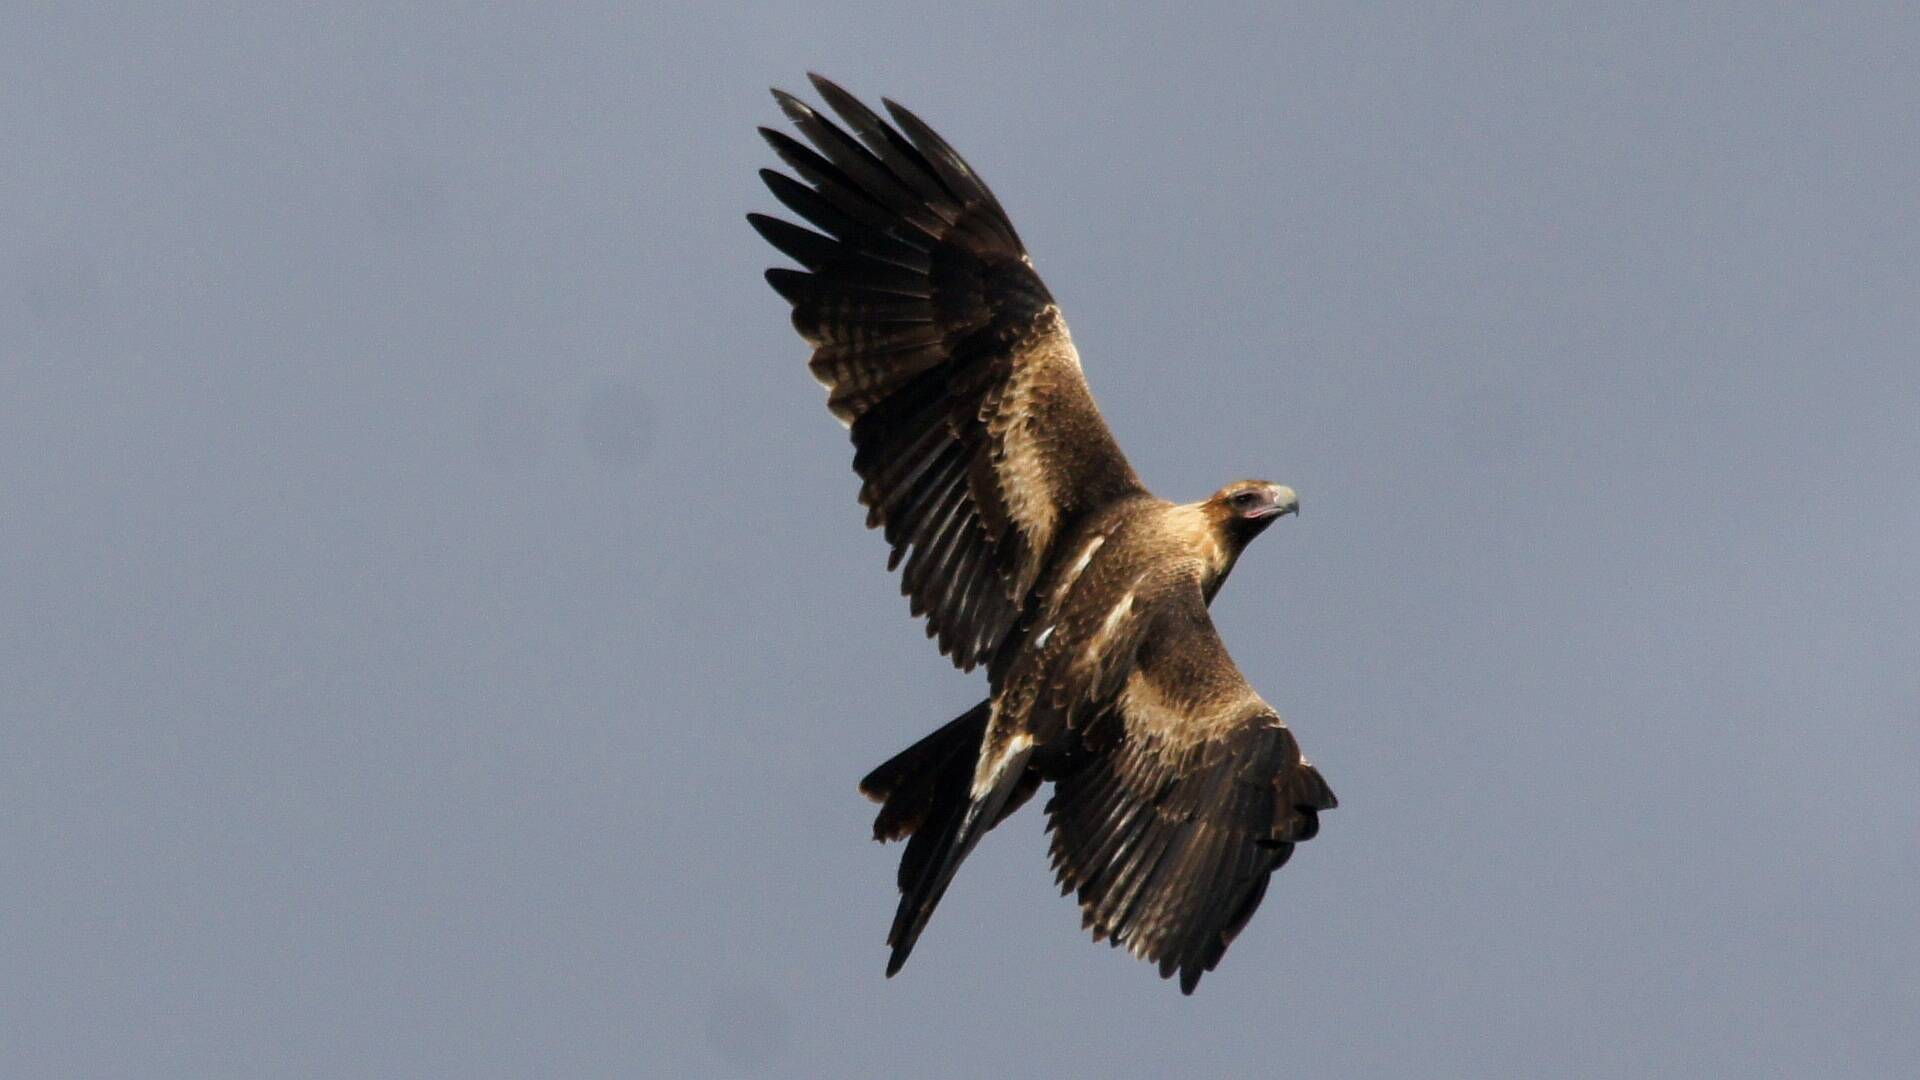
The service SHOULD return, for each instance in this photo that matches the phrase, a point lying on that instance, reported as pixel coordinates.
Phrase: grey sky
(441, 639)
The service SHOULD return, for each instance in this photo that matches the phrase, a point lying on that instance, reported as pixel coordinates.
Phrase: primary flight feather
(1031, 546)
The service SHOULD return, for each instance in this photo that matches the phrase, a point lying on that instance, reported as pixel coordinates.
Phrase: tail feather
(911, 783)
(925, 797)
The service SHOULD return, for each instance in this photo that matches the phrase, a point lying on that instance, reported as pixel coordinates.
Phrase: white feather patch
(1120, 611)
(1079, 566)
(987, 776)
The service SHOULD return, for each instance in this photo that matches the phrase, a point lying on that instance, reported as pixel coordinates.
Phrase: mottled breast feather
(975, 437)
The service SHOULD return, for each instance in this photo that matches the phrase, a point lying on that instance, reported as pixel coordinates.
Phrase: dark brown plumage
(1030, 545)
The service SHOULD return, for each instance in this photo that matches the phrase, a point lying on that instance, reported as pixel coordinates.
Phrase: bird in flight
(1031, 547)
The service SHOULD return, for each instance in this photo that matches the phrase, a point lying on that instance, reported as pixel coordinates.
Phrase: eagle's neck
(1208, 539)
(1210, 584)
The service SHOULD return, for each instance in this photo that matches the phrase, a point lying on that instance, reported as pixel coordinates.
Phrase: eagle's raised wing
(1192, 795)
(974, 432)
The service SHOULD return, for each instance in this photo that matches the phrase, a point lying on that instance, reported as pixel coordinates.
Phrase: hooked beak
(1284, 502)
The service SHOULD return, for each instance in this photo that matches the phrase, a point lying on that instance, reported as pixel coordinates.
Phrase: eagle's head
(1242, 510)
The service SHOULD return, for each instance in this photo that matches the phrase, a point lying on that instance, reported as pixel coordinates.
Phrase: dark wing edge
(940, 348)
(1169, 832)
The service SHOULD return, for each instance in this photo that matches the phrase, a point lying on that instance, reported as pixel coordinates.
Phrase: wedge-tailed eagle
(1030, 546)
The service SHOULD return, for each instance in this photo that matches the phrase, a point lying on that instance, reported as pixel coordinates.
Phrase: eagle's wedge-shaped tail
(915, 786)
(926, 796)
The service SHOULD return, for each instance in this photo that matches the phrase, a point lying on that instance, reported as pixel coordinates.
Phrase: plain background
(440, 639)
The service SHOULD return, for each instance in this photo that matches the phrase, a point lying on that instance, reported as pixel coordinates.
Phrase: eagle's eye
(1245, 499)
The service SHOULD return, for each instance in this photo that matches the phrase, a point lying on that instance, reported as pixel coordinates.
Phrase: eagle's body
(1031, 546)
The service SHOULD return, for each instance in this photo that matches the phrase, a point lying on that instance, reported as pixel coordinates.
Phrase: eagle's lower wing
(1192, 795)
(974, 432)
